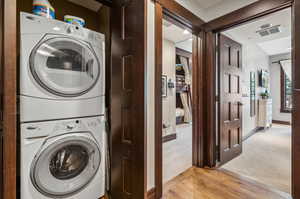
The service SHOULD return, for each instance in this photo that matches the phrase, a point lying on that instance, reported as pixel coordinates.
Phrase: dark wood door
(1, 163)
(230, 132)
(1, 98)
(127, 98)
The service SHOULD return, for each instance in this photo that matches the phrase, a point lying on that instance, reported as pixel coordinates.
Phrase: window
(286, 93)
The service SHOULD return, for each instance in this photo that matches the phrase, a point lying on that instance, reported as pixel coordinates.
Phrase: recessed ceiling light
(186, 32)
(56, 28)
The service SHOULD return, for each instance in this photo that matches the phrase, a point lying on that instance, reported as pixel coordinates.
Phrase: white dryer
(63, 159)
(62, 70)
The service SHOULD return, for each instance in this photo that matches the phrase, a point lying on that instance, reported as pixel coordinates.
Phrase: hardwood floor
(104, 197)
(198, 183)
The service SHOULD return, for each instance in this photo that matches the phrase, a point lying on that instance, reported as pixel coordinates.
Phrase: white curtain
(186, 106)
(287, 67)
(185, 64)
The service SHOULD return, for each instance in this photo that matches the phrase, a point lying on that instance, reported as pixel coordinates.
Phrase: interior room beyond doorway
(263, 101)
(176, 100)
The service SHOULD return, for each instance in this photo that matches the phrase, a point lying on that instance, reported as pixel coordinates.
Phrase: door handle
(240, 104)
(37, 137)
(32, 128)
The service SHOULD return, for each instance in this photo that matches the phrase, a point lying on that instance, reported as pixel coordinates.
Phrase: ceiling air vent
(268, 29)
(265, 26)
(264, 33)
(275, 30)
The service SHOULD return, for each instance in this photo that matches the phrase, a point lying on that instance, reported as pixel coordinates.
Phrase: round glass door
(66, 166)
(69, 162)
(64, 66)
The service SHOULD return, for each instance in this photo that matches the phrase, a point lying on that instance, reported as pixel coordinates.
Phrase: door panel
(230, 99)
(1, 163)
(1, 100)
(128, 180)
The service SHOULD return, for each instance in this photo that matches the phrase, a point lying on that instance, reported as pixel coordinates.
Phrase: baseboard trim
(151, 193)
(281, 122)
(170, 137)
(252, 133)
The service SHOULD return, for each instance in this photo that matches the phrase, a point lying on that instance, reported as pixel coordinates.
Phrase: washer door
(64, 66)
(66, 166)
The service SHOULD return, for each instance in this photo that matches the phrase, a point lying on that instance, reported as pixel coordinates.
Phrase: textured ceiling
(207, 3)
(272, 44)
(176, 34)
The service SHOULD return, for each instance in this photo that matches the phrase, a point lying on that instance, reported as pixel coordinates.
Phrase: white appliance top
(33, 24)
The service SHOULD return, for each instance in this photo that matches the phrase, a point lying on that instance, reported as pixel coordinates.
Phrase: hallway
(217, 184)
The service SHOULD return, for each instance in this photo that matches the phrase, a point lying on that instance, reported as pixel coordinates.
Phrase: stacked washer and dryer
(62, 110)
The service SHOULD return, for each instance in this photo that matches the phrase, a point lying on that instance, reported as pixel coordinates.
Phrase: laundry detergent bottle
(43, 8)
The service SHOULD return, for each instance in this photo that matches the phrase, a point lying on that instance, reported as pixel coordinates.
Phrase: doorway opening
(254, 106)
(177, 132)
(178, 94)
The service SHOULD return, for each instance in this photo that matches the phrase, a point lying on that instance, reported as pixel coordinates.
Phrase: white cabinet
(265, 113)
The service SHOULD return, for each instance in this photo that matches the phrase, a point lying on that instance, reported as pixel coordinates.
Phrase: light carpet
(177, 154)
(266, 158)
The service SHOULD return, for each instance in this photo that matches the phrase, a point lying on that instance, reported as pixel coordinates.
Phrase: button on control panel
(75, 30)
(69, 126)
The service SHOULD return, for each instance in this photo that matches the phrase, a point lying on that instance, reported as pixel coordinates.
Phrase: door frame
(184, 18)
(241, 16)
(9, 97)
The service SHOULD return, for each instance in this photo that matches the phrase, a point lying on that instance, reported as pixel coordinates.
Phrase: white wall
(169, 102)
(150, 95)
(275, 88)
(254, 59)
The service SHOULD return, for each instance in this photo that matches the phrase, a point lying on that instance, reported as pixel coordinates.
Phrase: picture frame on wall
(264, 78)
(252, 94)
(164, 86)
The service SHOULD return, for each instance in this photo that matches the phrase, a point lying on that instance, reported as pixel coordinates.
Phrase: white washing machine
(63, 159)
(62, 70)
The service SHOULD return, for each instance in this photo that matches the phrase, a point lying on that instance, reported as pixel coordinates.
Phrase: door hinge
(217, 98)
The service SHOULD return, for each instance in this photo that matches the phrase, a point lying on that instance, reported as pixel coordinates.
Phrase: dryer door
(65, 166)
(65, 66)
